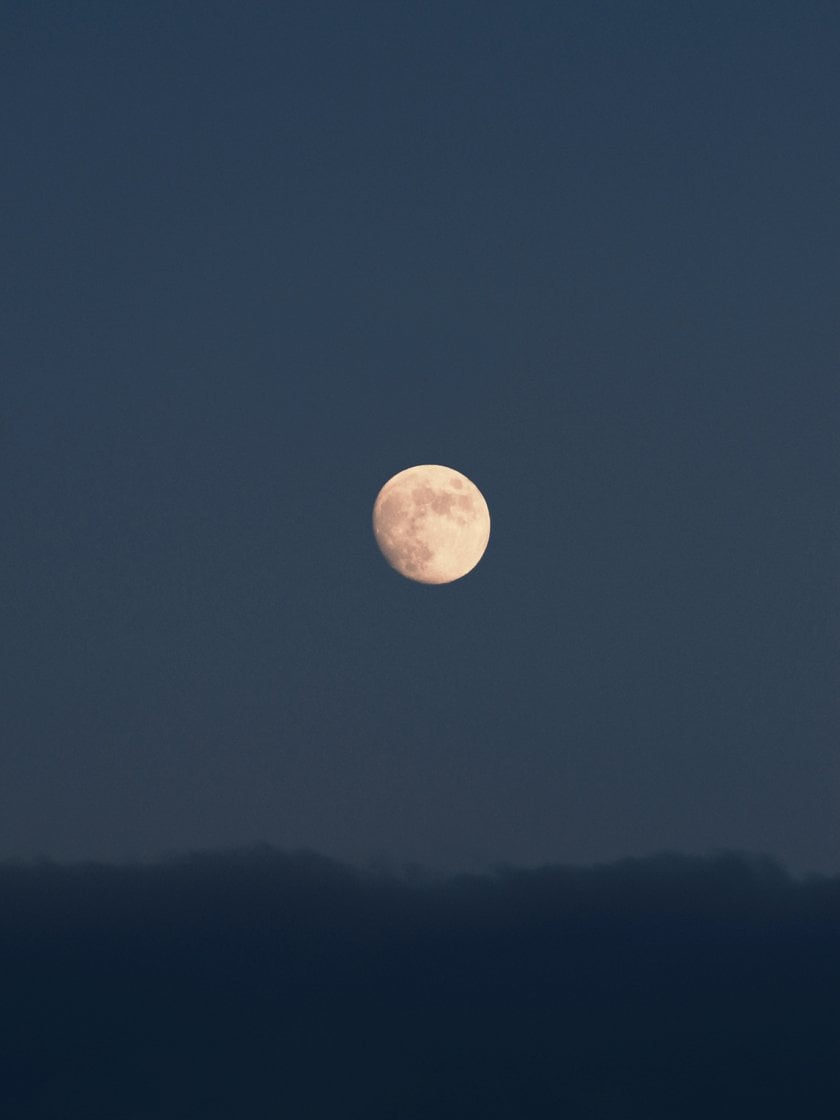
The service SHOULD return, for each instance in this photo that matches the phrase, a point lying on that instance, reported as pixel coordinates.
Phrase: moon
(431, 523)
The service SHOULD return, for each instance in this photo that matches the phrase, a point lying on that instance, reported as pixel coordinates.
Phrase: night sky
(284, 835)
(256, 259)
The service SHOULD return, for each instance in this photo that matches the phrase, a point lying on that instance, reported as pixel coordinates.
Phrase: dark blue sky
(256, 259)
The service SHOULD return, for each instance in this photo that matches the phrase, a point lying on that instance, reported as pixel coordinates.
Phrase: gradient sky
(256, 259)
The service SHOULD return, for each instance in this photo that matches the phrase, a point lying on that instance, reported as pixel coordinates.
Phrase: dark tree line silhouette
(260, 984)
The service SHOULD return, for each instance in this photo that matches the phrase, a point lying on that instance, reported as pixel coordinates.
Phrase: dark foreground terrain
(260, 985)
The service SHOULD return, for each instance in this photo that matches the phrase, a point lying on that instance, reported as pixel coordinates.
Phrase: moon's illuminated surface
(431, 523)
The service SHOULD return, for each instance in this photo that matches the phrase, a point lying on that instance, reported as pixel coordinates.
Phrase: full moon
(431, 523)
